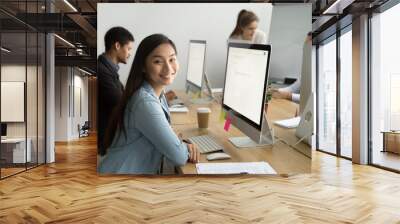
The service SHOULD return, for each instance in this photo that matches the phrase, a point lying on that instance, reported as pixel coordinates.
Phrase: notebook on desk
(235, 168)
(176, 101)
(181, 109)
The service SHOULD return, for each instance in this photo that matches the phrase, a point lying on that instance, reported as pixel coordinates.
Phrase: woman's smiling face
(161, 65)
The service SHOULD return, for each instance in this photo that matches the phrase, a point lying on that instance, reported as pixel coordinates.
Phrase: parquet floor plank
(70, 191)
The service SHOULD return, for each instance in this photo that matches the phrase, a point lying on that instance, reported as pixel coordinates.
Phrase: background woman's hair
(244, 19)
(135, 81)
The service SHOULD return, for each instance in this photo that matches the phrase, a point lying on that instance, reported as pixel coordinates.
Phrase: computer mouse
(218, 156)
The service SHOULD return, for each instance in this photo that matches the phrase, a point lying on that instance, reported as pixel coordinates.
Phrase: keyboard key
(206, 144)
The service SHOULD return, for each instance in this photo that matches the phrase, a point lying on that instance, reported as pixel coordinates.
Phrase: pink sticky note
(227, 123)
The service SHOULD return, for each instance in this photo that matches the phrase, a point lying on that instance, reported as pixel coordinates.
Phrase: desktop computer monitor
(196, 65)
(246, 80)
(3, 130)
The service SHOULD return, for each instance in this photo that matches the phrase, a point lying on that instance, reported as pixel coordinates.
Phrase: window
(346, 93)
(334, 137)
(22, 66)
(385, 85)
(326, 135)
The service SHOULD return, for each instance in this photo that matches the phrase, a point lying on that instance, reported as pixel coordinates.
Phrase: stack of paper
(217, 90)
(175, 102)
(289, 123)
(235, 168)
(182, 109)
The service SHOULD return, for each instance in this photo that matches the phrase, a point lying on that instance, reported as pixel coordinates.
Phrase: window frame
(333, 37)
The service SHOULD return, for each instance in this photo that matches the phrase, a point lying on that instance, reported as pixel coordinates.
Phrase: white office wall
(80, 96)
(12, 101)
(290, 24)
(67, 114)
(62, 82)
(181, 22)
(16, 73)
(33, 126)
(13, 73)
(84, 98)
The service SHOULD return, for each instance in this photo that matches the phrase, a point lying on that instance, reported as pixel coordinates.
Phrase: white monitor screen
(246, 74)
(197, 50)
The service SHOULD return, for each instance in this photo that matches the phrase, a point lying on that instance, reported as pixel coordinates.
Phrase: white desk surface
(13, 140)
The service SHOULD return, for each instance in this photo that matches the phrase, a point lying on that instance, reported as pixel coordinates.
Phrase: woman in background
(139, 135)
(246, 29)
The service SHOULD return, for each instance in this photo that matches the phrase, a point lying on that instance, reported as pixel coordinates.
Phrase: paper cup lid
(203, 110)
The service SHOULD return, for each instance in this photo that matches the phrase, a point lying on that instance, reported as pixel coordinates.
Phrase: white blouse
(259, 38)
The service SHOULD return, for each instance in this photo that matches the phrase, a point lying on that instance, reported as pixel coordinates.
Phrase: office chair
(84, 130)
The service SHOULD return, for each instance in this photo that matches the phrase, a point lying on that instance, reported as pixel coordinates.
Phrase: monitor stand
(203, 99)
(245, 142)
(266, 138)
(305, 130)
(200, 101)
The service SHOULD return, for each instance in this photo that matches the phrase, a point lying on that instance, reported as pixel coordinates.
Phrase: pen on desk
(187, 141)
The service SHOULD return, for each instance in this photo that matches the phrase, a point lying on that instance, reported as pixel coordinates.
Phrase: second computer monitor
(245, 86)
(196, 62)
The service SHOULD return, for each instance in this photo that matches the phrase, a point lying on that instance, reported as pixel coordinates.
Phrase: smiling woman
(139, 135)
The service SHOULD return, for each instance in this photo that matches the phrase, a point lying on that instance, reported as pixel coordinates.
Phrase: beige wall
(17, 73)
(92, 86)
(71, 87)
(34, 125)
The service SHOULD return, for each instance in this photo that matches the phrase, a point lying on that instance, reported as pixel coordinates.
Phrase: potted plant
(268, 98)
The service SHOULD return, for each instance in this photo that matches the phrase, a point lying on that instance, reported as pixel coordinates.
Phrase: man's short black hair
(117, 34)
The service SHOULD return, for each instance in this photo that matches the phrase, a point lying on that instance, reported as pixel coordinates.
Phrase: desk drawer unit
(391, 142)
(14, 152)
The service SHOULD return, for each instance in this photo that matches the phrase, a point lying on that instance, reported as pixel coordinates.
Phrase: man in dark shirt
(118, 45)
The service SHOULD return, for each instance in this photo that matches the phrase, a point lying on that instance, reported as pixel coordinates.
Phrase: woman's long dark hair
(135, 81)
(244, 19)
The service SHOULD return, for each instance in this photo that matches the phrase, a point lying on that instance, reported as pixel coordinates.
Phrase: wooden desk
(391, 141)
(283, 158)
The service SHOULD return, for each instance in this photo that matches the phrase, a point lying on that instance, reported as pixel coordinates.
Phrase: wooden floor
(70, 191)
(5, 172)
(387, 159)
(10, 171)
